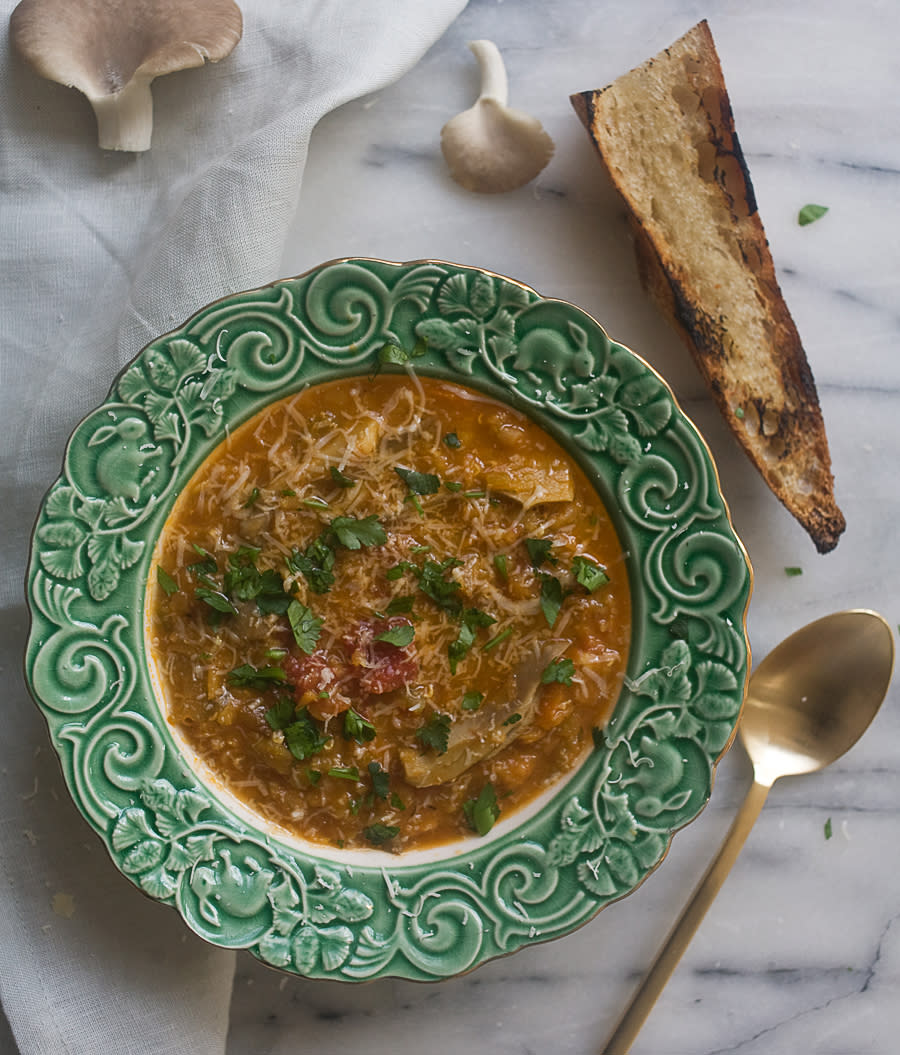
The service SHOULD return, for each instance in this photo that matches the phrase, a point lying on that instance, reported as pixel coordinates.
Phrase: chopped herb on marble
(810, 213)
(828, 831)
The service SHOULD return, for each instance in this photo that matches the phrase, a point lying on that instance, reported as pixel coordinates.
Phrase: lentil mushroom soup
(387, 611)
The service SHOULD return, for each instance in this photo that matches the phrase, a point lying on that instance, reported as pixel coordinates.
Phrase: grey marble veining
(801, 951)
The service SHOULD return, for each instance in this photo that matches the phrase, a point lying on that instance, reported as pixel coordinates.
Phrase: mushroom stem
(494, 83)
(125, 118)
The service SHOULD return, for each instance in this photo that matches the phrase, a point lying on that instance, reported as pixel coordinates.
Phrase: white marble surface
(801, 952)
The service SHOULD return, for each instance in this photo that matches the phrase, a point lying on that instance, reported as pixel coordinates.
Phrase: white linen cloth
(99, 253)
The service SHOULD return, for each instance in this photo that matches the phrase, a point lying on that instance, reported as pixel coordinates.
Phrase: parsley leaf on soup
(551, 597)
(305, 626)
(472, 619)
(303, 737)
(380, 780)
(402, 605)
(400, 636)
(341, 479)
(357, 728)
(345, 773)
(246, 676)
(419, 483)
(435, 733)
(166, 581)
(355, 533)
(482, 813)
(588, 574)
(379, 833)
(560, 670)
(539, 551)
(282, 714)
(315, 564)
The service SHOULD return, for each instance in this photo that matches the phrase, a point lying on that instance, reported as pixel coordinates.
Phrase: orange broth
(388, 611)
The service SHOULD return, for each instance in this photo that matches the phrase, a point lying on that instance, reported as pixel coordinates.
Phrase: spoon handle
(692, 915)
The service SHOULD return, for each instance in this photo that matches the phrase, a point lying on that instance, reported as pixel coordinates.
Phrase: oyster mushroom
(111, 51)
(490, 147)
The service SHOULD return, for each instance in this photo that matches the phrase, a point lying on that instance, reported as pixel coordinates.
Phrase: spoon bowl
(814, 696)
(807, 703)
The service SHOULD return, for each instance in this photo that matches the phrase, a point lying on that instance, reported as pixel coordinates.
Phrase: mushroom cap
(492, 148)
(101, 46)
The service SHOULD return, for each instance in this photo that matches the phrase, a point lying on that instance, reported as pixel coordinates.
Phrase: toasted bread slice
(665, 134)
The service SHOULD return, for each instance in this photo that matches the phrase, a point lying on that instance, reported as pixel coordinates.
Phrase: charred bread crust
(739, 330)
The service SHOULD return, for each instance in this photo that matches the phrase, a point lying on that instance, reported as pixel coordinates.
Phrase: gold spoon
(807, 703)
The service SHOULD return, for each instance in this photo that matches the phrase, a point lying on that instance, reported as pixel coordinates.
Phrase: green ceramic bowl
(360, 915)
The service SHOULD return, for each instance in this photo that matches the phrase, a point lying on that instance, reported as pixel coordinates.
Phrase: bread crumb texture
(665, 134)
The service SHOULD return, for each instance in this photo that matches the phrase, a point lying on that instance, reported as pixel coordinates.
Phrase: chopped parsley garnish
(344, 773)
(247, 676)
(472, 619)
(453, 441)
(810, 213)
(400, 605)
(588, 574)
(560, 670)
(282, 714)
(513, 719)
(497, 639)
(341, 479)
(471, 701)
(207, 566)
(453, 486)
(245, 582)
(215, 599)
(313, 776)
(354, 533)
(166, 581)
(306, 627)
(482, 813)
(433, 582)
(419, 483)
(551, 597)
(400, 636)
(828, 829)
(252, 498)
(303, 738)
(380, 780)
(501, 566)
(379, 833)
(357, 728)
(539, 551)
(793, 571)
(315, 564)
(435, 733)
(394, 355)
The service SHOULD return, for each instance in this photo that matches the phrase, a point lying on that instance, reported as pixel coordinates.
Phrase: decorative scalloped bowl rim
(542, 872)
